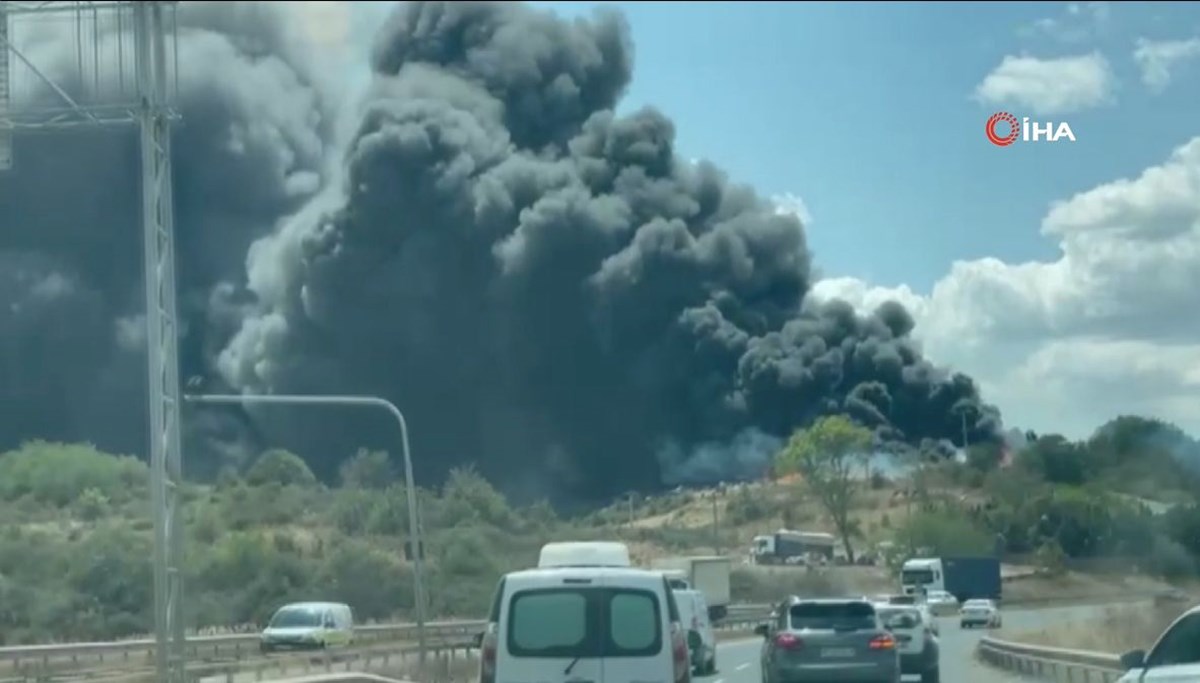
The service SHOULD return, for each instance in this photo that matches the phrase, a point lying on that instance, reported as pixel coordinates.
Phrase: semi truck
(964, 577)
(707, 574)
(778, 547)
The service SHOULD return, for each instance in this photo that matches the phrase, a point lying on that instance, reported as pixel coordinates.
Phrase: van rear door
(637, 637)
(548, 630)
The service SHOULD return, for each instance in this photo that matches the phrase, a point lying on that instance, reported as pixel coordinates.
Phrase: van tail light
(487, 655)
(883, 642)
(787, 641)
(679, 648)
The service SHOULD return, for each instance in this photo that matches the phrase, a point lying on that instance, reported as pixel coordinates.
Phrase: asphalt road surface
(738, 661)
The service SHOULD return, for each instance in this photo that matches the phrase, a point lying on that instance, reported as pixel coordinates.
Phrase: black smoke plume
(543, 287)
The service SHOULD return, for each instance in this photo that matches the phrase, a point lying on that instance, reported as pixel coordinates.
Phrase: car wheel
(930, 676)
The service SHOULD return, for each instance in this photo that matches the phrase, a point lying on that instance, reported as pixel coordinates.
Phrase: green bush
(280, 467)
(59, 473)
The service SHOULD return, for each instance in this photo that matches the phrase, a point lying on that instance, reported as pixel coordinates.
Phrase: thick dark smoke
(544, 288)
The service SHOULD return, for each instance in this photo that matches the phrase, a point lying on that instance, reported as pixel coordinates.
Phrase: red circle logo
(1014, 129)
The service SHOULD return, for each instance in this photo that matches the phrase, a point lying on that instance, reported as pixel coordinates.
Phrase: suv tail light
(487, 655)
(679, 650)
(883, 642)
(787, 641)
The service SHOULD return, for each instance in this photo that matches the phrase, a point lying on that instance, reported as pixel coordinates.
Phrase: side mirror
(478, 640)
(762, 630)
(1134, 659)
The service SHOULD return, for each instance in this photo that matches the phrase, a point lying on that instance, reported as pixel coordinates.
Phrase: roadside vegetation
(75, 529)
(1120, 629)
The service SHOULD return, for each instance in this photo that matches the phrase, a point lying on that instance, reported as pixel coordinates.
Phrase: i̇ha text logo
(1003, 129)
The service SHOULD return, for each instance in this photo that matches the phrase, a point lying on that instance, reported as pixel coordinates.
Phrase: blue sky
(864, 111)
(1063, 276)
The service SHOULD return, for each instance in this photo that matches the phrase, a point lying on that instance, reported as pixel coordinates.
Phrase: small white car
(980, 613)
(941, 603)
(916, 640)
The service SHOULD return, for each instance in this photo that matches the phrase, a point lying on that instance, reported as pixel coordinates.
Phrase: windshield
(834, 616)
(296, 617)
(916, 577)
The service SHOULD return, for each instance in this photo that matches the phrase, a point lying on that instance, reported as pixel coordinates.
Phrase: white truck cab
(920, 576)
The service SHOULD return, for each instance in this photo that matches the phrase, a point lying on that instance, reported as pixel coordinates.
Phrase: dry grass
(1119, 629)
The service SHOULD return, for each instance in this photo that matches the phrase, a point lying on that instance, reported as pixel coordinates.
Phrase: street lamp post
(410, 486)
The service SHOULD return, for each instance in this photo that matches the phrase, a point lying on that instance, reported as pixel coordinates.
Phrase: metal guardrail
(1051, 663)
(126, 655)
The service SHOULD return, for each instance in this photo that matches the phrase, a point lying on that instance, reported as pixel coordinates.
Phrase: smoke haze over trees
(544, 288)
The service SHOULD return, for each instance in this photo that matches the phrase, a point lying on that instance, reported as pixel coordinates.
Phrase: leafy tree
(984, 457)
(59, 473)
(368, 470)
(947, 533)
(278, 466)
(829, 456)
(1058, 460)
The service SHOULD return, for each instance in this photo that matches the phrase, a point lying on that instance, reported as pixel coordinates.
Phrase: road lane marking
(719, 680)
(742, 666)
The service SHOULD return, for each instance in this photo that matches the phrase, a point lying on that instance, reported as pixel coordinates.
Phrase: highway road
(737, 661)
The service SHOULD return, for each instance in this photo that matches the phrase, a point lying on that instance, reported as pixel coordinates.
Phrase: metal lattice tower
(121, 70)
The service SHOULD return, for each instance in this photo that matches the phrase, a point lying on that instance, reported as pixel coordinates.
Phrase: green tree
(1058, 460)
(278, 466)
(984, 457)
(829, 456)
(59, 473)
(947, 533)
(368, 470)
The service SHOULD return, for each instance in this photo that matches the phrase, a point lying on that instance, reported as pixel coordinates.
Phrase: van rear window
(585, 622)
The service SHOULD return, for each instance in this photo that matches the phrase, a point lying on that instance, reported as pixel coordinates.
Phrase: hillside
(75, 535)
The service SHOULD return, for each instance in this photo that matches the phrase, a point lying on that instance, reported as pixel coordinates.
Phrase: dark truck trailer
(972, 577)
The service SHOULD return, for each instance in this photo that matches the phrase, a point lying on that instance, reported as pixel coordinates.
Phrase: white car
(916, 640)
(1173, 658)
(941, 602)
(980, 613)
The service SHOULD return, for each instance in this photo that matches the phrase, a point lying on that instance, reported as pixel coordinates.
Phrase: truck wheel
(930, 676)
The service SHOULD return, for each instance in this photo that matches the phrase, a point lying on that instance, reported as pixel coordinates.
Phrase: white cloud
(1109, 327)
(1157, 58)
(790, 203)
(1077, 23)
(1049, 86)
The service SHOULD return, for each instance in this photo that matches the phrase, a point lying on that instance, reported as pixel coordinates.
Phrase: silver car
(830, 641)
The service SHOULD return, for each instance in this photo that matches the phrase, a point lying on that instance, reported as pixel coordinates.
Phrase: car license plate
(837, 652)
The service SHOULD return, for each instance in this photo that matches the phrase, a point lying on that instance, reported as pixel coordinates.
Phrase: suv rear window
(585, 622)
(835, 616)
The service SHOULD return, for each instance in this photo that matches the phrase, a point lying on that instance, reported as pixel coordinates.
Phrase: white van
(309, 625)
(702, 640)
(576, 624)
